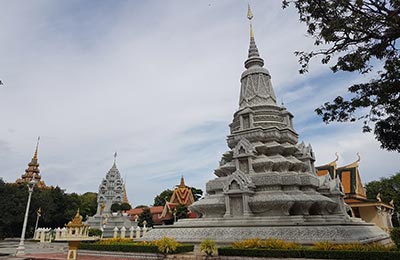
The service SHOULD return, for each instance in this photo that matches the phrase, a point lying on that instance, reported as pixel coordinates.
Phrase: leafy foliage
(95, 232)
(181, 211)
(389, 188)
(166, 245)
(208, 247)
(131, 246)
(115, 207)
(395, 236)
(115, 241)
(164, 196)
(309, 254)
(326, 245)
(270, 243)
(125, 206)
(57, 207)
(146, 216)
(197, 193)
(354, 36)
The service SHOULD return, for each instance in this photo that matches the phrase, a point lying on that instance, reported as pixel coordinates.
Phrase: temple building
(370, 210)
(182, 195)
(266, 184)
(164, 215)
(33, 172)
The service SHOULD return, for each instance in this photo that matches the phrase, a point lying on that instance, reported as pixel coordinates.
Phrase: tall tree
(164, 196)
(57, 207)
(389, 188)
(355, 35)
(146, 216)
(181, 211)
(197, 193)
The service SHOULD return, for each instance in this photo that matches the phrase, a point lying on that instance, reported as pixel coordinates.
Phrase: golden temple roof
(353, 164)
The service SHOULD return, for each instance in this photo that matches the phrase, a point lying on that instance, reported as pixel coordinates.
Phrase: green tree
(164, 196)
(88, 204)
(57, 207)
(125, 206)
(115, 207)
(141, 206)
(197, 193)
(389, 188)
(355, 36)
(145, 216)
(181, 211)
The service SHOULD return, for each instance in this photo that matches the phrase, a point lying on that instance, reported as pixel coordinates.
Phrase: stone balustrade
(47, 234)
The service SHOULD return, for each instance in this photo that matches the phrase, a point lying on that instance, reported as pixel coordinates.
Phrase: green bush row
(395, 236)
(314, 254)
(132, 248)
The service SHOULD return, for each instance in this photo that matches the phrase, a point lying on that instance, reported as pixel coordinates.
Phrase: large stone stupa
(266, 183)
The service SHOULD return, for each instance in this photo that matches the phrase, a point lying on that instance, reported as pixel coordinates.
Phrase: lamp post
(21, 246)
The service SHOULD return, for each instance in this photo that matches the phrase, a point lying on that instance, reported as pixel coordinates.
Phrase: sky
(158, 83)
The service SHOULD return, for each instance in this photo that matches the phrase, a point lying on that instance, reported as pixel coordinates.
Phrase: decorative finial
(249, 13)
(250, 17)
(337, 157)
(36, 149)
(182, 184)
(378, 197)
(115, 157)
(359, 157)
(254, 58)
(391, 203)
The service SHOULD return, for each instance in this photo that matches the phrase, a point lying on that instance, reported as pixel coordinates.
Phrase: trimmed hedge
(131, 247)
(395, 236)
(309, 253)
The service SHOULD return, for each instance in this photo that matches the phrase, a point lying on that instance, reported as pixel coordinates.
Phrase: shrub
(141, 247)
(307, 253)
(125, 206)
(95, 232)
(115, 241)
(115, 207)
(166, 245)
(351, 247)
(270, 243)
(395, 236)
(208, 246)
(324, 245)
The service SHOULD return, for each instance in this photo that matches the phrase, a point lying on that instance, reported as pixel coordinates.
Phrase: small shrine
(32, 172)
(370, 210)
(76, 232)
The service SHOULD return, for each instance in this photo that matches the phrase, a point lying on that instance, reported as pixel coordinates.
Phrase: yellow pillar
(73, 249)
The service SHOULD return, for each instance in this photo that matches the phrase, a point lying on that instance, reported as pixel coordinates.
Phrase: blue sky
(158, 82)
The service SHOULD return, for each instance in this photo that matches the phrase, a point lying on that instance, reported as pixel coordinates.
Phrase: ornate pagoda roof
(32, 172)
